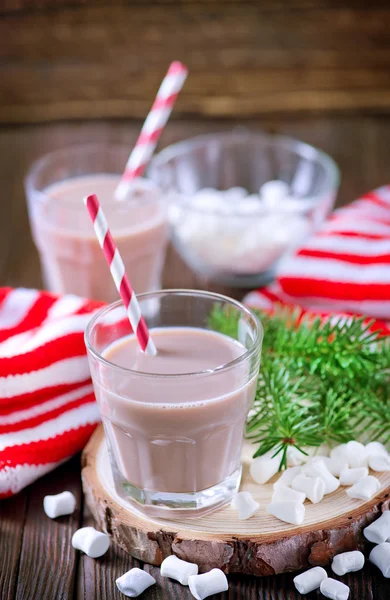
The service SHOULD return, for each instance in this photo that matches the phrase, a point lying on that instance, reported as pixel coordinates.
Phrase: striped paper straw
(153, 127)
(119, 276)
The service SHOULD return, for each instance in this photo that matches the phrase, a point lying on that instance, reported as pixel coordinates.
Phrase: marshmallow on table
(333, 589)
(375, 448)
(380, 557)
(282, 493)
(60, 504)
(134, 582)
(264, 467)
(319, 469)
(90, 541)
(356, 454)
(289, 512)
(310, 580)
(207, 584)
(379, 531)
(313, 487)
(175, 568)
(245, 504)
(352, 476)
(379, 463)
(288, 476)
(365, 488)
(348, 562)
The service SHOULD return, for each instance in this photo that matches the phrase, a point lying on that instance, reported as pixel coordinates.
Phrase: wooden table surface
(37, 561)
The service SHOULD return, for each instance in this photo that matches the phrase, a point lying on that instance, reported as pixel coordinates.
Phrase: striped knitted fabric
(343, 268)
(47, 405)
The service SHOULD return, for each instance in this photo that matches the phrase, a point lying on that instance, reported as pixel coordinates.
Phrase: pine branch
(321, 381)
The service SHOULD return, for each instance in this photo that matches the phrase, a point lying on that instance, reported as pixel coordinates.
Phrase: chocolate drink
(71, 258)
(178, 433)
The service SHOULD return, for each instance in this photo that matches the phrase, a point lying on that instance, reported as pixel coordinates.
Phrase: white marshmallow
(273, 192)
(340, 452)
(245, 504)
(282, 493)
(379, 531)
(334, 465)
(318, 469)
(365, 488)
(380, 557)
(295, 457)
(379, 462)
(175, 568)
(310, 580)
(264, 467)
(333, 589)
(289, 512)
(134, 582)
(348, 562)
(90, 541)
(60, 504)
(213, 582)
(235, 193)
(288, 476)
(375, 448)
(313, 487)
(352, 476)
(356, 455)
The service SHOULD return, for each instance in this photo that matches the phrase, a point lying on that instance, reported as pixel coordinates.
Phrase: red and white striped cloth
(343, 268)
(47, 405)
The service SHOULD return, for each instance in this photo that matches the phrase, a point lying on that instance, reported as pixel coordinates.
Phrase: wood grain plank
(12, 519)
(47, 560)
(94, 61)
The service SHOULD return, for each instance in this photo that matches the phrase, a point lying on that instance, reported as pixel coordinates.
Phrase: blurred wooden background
(92, 58)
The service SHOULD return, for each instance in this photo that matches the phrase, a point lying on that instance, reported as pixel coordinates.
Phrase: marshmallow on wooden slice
(352, 476)
(282, 493)
(379, 463)
(134, 582)
(334, 465)
(60, 504)
(207, 584)
(245, 504)
(340, 452)
(380, 557)
(365, 488)
(288, 476)
(375, 448)
(175, 568)
(333, 589)
(264, 467)
(295, 457)
(90, 541)
(348, 562)
(289, 512)
(379, 531)
(318, 469)
(356, 455)
(310, 580)
(313, 487)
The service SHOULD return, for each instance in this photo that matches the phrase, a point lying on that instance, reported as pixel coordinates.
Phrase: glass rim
(304, 149)
(259, 334)
(44, 160)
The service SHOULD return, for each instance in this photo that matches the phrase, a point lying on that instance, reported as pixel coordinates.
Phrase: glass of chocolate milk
(174, 423)
(71, 259)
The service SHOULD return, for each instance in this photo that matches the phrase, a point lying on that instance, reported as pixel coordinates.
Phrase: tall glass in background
(175, 441)
(71, 259)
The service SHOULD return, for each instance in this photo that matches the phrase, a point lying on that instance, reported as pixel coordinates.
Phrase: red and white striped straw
(119, 276)
(153, 127)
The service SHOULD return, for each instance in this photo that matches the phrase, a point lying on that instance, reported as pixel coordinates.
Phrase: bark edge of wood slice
(262, 545)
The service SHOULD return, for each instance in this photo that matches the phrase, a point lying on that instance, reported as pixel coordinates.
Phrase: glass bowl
(238, 238)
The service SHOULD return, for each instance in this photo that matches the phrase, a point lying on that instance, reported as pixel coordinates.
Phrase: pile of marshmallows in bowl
(347, 465)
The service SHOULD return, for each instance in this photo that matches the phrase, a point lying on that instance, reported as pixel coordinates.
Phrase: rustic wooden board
(262, 545)
(106, 59)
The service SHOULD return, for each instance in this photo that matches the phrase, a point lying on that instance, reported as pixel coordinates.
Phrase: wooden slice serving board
(262, 545)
